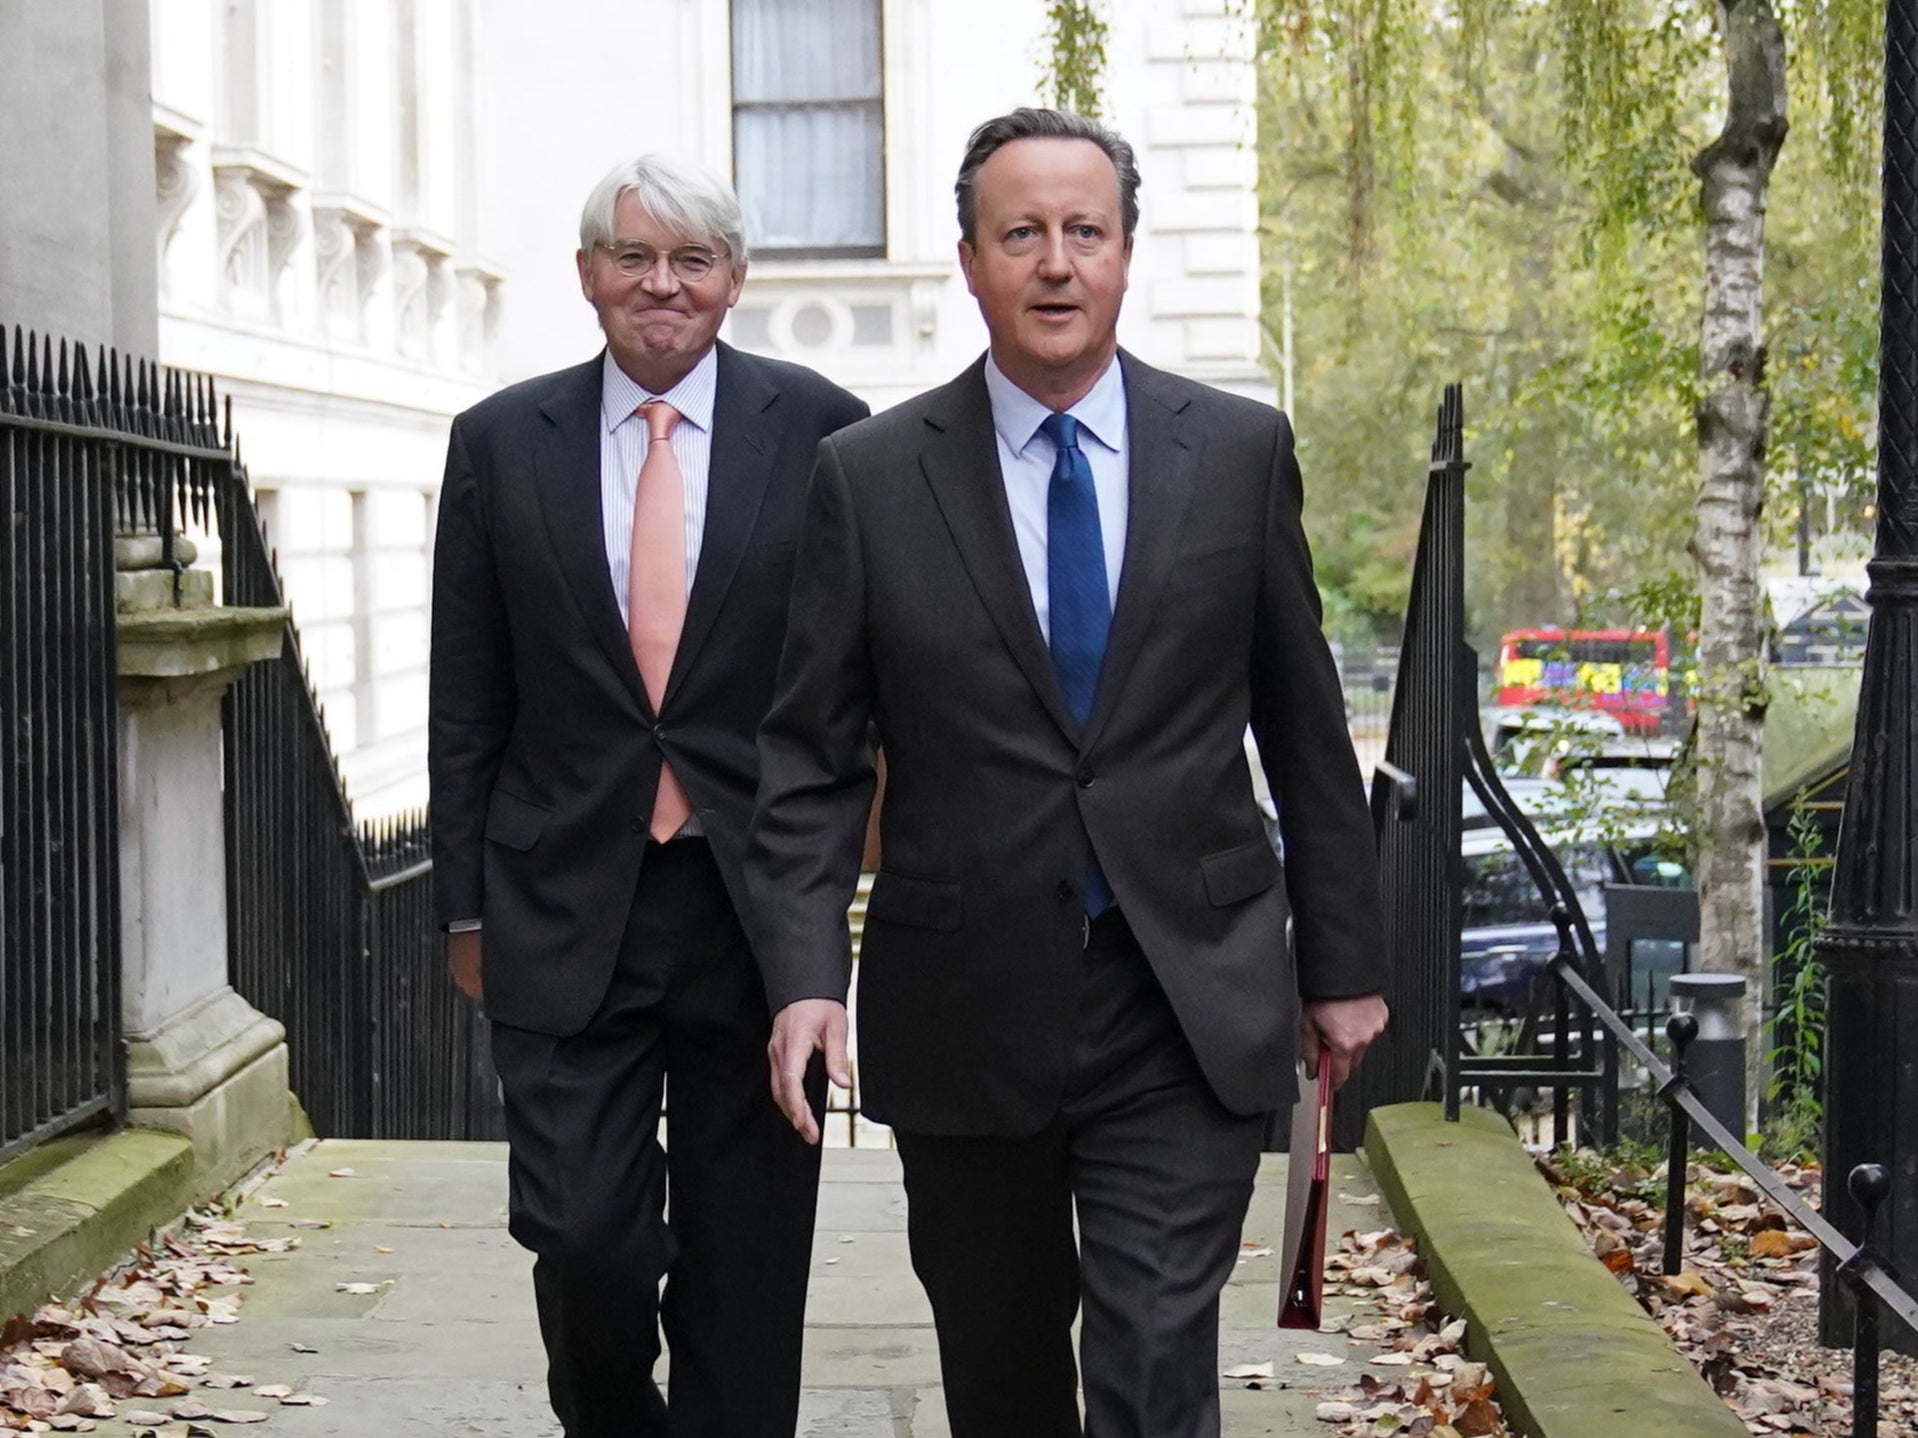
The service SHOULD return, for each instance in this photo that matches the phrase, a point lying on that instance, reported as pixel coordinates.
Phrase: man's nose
(1054, 260)
(660, 279)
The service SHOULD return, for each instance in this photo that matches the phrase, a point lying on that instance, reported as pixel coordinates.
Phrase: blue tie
(1081, 607)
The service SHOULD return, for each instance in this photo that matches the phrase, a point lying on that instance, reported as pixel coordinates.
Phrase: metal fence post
(1681, 1029)
(1869, 1186)
(1870, 946)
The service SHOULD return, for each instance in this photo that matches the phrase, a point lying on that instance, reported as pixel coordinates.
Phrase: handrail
(1678, 1092)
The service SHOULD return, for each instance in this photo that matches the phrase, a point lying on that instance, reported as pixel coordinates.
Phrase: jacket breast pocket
(1214, 566)
(919, 903)
(1234, 875)
(777, 555)
(515, 822)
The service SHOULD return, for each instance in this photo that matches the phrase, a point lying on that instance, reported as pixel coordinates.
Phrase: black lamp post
(1870, 947)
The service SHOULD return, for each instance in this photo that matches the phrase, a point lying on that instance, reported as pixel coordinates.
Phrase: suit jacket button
(659, 733)
(1086, 776)
(638, 826)
(1066, 892)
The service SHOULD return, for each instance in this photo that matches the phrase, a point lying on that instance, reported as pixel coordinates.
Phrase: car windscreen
(1499, 892)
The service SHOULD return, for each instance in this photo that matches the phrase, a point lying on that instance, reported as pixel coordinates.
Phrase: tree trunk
(1735, 173)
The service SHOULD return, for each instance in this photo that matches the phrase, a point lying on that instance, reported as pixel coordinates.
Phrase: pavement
(446, 1343)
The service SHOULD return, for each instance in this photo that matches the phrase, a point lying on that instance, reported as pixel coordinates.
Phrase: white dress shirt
(622, 450)
(1025, 463)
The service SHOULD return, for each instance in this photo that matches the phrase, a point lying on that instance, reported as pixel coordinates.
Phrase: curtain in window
(808, 123)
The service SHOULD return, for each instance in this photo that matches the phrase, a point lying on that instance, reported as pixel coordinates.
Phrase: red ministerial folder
(1308, 1174)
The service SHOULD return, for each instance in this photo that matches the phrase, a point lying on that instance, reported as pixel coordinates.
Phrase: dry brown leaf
(239, 1415)
(1779, 1243)
(1478, 1419)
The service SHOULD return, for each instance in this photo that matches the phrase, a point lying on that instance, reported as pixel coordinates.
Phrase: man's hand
(1343, 1028)
(463, 962)
(801, 1030)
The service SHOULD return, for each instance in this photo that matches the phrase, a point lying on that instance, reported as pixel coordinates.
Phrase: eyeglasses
(691, 263)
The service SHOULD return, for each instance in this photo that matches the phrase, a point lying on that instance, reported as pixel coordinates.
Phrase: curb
(1574, 1354)
(76, 1218)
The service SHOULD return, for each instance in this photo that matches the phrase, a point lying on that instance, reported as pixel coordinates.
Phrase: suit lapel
(566, 476)
(961, 464)
(745, 443)
(1162, 446)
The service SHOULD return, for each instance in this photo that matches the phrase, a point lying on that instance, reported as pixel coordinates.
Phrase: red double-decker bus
(1622, 672)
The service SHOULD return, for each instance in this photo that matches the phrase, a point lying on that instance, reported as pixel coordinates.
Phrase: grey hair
(1030, 124)
(680, 196)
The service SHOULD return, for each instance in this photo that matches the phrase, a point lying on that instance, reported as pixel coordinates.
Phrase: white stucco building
(343, 185)
(315, 165)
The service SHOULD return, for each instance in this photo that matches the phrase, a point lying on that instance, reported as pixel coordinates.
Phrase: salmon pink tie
(656, 589)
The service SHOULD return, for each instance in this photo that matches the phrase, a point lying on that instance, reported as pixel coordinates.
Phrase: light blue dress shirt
(1025, 464)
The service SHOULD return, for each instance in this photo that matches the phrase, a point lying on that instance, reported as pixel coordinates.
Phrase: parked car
(1507, 937)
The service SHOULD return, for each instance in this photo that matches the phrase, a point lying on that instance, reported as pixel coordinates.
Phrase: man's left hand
(1343, 1028)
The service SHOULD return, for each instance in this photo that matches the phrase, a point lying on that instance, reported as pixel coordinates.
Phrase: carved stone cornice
(259, 225)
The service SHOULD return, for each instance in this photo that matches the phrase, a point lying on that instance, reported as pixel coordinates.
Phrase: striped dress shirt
(622, 449)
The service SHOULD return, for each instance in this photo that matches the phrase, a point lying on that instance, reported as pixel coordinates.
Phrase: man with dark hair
(1060, 587)
(609, 596)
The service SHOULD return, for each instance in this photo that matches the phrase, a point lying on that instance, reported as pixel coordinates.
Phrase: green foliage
(1797, 1027)
(1498, 192)
(1075, 62)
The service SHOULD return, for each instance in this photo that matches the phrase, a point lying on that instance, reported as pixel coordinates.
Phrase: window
(809, 126)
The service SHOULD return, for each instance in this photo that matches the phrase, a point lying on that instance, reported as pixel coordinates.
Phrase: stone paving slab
(447, 1345)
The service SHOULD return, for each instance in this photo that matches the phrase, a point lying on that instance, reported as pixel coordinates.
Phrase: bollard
(1870, 1186)
(1715, 1063)
(1681, 1029)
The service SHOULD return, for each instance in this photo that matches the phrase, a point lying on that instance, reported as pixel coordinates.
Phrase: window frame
(877, 251)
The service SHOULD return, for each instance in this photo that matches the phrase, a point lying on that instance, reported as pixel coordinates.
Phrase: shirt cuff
(463, 926)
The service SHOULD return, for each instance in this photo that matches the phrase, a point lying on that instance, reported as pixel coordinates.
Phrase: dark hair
(1030, 124)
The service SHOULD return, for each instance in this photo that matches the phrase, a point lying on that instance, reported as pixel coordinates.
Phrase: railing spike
(61, 384)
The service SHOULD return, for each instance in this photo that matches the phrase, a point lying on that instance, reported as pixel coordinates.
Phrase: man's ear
(966, 257)
(584, 262)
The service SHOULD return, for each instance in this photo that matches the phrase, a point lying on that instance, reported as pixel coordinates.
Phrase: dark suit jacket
(544, 751)
(911, 606)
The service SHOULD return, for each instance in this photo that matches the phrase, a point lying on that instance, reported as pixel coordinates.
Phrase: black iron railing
(1416, 803)
(330, 923)
(75, 434)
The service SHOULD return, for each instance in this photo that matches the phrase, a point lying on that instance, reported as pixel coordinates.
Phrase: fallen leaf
(302, 1348)
(273, 1203)
(90, 1358)
(1478, 1419)
(1778, 1243)
(304, 1400)
(1318, 1360)
(1248, 1370)
(342, 1173)
(1689, 1282)
(272, 1390)
(356, 1288)
(239, 1415)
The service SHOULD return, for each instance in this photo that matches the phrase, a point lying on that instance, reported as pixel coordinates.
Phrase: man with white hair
(611, 576)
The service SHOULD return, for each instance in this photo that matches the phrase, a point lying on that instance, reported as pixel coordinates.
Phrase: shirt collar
(620, 394)
(1017, 416)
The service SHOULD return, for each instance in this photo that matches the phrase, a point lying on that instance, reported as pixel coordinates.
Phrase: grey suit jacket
(911, 610)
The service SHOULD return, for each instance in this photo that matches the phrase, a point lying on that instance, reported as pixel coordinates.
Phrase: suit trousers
(1160, 1175)
(724, 1212)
